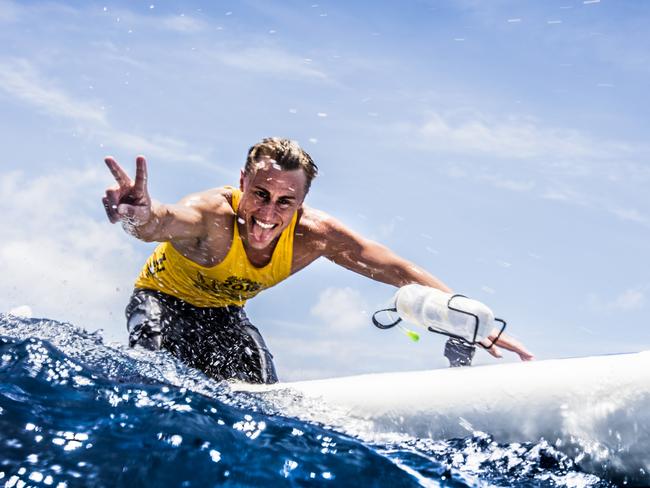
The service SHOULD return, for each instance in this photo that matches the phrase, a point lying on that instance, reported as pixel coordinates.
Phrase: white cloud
(159, 147)
(513, 137)
(562, 165)
(19, 79)
(182, 23)
(29, 202)
(565, 193)
(629, 300)
(58, 260)
(629, 214)
(509, 184)
(602, 202)
(496, 180)
(114, 54)
(632, 299)
(341, 309)
(268, 61)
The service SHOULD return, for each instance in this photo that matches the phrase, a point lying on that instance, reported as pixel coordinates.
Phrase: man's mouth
(264, 225)
(261, 232)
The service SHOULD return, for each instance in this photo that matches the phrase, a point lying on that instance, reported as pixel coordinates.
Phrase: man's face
(269, 199)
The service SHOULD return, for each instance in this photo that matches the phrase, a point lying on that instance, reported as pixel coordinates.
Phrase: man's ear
(241, 179)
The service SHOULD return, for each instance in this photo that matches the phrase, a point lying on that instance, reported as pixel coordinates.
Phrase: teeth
(264, 225)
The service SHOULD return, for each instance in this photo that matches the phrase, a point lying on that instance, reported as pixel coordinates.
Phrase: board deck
(600, 398)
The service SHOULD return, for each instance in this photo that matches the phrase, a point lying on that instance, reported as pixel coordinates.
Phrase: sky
(502, 145)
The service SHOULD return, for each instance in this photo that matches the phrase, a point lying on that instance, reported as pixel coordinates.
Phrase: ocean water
(77, 412)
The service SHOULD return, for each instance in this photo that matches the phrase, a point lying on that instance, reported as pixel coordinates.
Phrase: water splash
(74, 410)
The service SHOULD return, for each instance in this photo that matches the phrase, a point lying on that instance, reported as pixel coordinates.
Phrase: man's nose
(267, 210)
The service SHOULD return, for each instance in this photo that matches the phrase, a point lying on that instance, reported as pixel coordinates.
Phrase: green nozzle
(414, 336)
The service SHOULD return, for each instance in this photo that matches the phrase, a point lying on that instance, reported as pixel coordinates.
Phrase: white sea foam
(22, 311)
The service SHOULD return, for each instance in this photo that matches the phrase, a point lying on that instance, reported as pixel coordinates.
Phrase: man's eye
(261, 194)
(284, 203)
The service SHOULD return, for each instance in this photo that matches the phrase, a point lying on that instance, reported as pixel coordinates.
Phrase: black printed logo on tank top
(233, 287)
(155, 266)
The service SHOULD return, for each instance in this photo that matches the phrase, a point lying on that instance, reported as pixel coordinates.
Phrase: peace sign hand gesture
(129, 202)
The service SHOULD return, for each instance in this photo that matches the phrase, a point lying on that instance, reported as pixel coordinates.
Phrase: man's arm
(368, 258)
(169, 222)
(129, 203)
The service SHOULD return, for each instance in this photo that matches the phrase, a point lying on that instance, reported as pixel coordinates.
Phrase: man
(222, 246)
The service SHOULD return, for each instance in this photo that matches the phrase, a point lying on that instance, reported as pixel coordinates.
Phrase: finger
(111, 213)
(118, 173)
(112, 199)
(141, 175)
(113, 195)
(495, 352)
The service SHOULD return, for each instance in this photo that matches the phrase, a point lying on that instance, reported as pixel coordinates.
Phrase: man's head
(285, 153)
(274, 183)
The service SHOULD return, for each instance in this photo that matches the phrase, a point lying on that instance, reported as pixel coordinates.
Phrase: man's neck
(258, 257)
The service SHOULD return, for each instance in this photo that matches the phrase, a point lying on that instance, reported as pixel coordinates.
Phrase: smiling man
(223, 246)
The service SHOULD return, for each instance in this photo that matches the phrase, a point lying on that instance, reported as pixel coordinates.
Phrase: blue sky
(503, 145)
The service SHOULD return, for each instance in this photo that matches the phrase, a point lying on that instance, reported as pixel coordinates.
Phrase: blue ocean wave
(77, 412)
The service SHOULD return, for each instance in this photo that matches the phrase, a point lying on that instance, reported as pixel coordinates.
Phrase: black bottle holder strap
(381, 325)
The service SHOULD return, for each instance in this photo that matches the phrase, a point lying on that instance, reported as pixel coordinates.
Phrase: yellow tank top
(231, 282)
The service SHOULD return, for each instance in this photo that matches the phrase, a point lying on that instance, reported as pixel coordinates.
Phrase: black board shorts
(221, 342)
(459, 352)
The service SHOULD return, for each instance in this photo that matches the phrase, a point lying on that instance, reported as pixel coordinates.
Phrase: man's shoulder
(318, 223)
(319, 232)
(313, 220)
(214, 201)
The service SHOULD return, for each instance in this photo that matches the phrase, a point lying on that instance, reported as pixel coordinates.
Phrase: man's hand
(129, 201)
(511, 344)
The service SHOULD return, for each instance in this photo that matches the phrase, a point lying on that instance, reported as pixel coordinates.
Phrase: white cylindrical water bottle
(442, 312)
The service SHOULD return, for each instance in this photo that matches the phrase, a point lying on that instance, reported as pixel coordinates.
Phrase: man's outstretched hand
(129, 201)
(511, 344)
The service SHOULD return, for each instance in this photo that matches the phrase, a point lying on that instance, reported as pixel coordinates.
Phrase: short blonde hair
(286, 153)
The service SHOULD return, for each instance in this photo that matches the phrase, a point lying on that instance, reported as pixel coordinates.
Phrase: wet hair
(286, 153)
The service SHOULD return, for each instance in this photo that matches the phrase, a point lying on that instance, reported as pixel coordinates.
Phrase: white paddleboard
(599, 404)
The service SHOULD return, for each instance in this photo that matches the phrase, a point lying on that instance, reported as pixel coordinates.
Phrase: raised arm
(129, 203)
